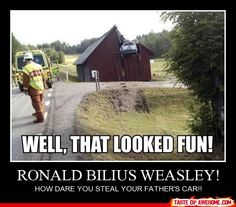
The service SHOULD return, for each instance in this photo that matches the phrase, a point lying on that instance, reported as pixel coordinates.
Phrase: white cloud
(72, 26)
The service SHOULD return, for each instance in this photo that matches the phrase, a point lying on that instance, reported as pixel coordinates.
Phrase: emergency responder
(33, 85)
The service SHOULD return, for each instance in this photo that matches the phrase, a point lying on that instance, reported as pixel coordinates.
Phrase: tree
(58, 46)
(42, 46)
(160, 43)
(163, 43)
(197, 59)
(61, 58)
(84, 44)
(52, 54)
(29, 47)
(16, 46)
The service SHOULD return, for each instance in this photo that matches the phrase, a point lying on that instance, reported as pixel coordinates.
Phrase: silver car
(128, 48)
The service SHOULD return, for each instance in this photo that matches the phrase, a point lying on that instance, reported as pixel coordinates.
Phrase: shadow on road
(23, 124)
(16, 91)
(22, 118)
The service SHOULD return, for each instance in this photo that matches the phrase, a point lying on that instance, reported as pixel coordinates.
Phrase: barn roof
(151, 52)
(84, 56)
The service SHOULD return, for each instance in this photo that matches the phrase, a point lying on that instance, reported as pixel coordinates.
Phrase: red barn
(104, 56)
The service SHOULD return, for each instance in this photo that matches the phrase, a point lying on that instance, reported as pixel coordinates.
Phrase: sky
(72, 26)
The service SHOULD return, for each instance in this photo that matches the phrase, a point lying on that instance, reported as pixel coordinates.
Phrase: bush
(204, 120)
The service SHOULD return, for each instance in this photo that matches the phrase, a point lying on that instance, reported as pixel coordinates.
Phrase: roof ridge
(84, 56)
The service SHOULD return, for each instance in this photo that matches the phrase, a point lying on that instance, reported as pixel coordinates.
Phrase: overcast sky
(46, 26)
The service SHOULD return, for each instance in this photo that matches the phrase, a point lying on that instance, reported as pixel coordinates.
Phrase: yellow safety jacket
(35, 72)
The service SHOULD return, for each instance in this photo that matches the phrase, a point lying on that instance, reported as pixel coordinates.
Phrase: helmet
(28, 56)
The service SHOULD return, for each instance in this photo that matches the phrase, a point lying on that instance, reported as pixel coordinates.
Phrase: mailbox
(94, 73)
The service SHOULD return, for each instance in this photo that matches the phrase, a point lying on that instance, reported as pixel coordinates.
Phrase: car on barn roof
(128, 47)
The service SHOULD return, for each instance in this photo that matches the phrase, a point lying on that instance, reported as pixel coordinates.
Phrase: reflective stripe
(35, 72)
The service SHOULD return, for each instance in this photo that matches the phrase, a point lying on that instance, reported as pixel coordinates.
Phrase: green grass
(168, 115)
(68, 66)
(159, 72)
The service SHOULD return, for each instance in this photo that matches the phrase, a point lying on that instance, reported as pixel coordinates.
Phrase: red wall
(103, 60)
(107, 60)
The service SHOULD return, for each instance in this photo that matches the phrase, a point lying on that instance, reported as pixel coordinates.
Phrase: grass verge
(114, 113)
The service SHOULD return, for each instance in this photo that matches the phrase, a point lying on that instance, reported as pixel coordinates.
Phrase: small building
(104, 56)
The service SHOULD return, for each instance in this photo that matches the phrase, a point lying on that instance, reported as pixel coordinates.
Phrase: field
(70, 68)
(158, 70)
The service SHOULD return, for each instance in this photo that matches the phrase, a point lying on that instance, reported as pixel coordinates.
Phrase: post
(98, 80)
(67, 79)
(95, 74)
